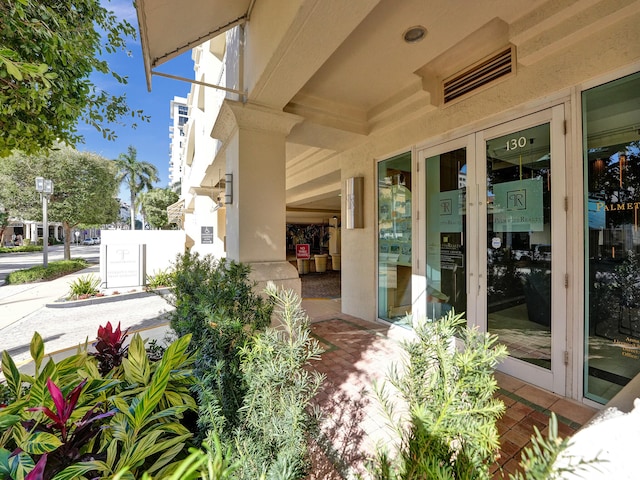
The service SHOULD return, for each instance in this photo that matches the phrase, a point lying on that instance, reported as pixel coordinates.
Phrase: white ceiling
(374, 77)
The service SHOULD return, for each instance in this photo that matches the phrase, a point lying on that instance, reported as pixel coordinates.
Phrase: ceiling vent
(479, 75)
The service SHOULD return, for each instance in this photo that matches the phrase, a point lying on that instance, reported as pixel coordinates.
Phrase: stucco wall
(210, 219)
(549, 81)
(162, 247)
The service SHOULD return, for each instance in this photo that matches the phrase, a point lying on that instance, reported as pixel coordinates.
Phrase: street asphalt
(37, 307)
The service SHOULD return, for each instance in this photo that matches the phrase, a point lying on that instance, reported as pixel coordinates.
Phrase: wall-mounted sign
(206, 235)
(303, 251)
(354, 188)
(518, 206)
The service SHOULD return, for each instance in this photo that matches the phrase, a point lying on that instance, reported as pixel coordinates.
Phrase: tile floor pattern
(357, 353)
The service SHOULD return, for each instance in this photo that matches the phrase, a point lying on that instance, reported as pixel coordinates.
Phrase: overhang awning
(175, 212)
(169, 28)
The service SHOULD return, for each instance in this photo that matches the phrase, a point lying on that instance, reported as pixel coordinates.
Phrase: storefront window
(394, 238)
(611, 125)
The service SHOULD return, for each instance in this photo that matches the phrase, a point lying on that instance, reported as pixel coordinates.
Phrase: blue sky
(150, 139)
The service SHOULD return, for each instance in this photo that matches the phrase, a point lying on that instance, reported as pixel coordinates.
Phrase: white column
(254, 142)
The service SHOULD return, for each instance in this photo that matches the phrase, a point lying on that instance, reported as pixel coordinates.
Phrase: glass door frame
(555, 378)
(476, 251)
(420, 233)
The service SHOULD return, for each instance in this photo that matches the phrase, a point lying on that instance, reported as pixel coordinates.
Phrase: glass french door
(494, 239)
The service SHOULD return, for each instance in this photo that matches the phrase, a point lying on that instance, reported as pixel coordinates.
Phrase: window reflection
(446, 182)
(612, 170)
(394, 238)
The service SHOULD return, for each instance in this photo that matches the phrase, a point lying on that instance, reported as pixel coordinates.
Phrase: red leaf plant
(64, 406)
(38, 471)
(75, 436)
(109, 351)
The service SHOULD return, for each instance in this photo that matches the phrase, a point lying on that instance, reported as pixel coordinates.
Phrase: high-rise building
(179, 118)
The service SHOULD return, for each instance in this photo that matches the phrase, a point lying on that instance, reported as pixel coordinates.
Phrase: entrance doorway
(494, 239)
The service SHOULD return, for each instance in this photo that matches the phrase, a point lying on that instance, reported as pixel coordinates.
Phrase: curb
(107, 298)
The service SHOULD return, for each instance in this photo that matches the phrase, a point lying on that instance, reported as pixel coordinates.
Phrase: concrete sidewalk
(19, 301)
(26, 309)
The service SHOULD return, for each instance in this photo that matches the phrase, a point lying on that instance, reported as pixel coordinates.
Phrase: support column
(254, 141)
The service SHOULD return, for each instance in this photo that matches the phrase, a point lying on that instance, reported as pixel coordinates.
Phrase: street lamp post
(44, 187)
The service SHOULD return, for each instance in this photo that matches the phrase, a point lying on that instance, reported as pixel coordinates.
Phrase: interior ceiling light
(414, 34)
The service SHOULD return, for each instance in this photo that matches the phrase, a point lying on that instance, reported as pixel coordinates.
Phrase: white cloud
(123, 9)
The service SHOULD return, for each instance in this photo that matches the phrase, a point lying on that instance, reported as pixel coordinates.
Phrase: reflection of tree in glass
(627, 278)
(616, 296)
(504, 279)
(614, 174)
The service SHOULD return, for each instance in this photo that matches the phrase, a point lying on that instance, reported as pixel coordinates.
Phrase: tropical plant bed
(116, 412)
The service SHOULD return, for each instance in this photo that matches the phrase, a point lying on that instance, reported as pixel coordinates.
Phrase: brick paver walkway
(359, 353)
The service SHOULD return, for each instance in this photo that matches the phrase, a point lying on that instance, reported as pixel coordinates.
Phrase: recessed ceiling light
(414, 34)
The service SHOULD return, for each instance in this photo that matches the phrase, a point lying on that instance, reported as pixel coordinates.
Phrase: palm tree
(139, 176)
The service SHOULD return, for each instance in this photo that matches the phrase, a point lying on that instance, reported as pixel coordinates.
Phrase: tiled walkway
(359, 353)
(528, 407)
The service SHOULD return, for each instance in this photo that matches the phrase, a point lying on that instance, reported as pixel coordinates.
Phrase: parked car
(88, 241)
(96, 240)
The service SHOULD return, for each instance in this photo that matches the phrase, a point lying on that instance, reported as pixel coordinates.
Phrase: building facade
(17, 231)
(483, 156)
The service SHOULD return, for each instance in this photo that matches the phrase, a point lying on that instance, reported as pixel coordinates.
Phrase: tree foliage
(85, 188)
(154, 205)
(48, 50)
(4, 223)
(137, 175)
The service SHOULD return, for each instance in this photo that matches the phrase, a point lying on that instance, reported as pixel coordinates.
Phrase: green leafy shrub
(5, 395)
(84, 285)
(146, 433)
(449, 430)
(215, 303)
(155, 350)
(275, 421)
(204, 464)
(22, 248)
(69, 421)
(39, 273)
(163, 278)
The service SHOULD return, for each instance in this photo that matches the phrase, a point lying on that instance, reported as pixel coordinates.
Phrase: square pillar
(254, 142)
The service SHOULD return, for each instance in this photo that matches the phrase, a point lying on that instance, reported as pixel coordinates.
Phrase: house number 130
(514, 143)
